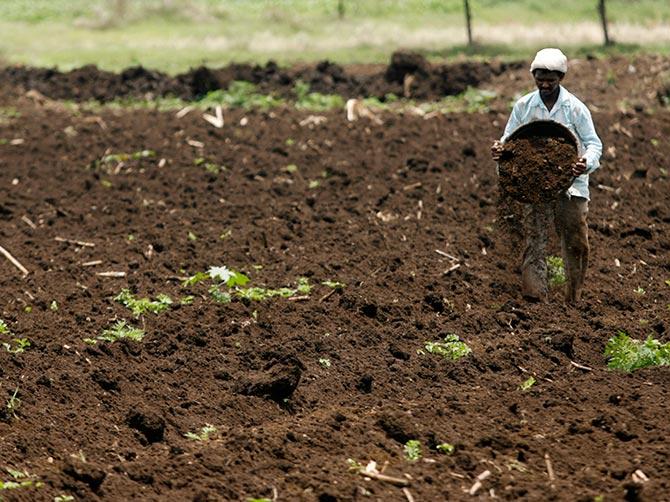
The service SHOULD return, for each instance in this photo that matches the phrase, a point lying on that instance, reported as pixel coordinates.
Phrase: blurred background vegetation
(173, 35)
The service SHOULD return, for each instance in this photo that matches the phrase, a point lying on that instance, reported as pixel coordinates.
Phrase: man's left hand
(579, 167)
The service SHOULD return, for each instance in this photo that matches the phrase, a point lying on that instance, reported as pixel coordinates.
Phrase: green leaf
(412, 450)
(195, 279)
(446, 448)
(527, 384)
(628, 355)
(555, 270)
(451, 348)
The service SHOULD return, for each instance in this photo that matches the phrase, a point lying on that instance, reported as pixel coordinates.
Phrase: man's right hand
(496, 150)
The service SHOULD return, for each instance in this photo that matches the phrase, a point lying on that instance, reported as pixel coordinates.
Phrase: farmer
(551, 101)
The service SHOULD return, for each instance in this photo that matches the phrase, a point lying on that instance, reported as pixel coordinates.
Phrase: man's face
(547, 81)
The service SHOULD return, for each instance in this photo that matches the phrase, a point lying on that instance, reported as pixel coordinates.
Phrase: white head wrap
(550, 59)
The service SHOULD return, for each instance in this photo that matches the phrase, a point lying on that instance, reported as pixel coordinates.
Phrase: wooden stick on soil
(581, 366)
(408, 495)
(550, 471)
(327, 295)
(383, 477)
(478, 482)
(14, 261)
(111, 274)
(72, 241)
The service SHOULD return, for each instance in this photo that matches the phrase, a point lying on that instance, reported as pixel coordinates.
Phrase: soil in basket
(536, 169)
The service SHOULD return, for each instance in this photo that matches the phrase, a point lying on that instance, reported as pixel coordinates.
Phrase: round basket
(536, 162)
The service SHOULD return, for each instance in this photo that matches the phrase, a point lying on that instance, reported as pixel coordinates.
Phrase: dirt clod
(148, 423)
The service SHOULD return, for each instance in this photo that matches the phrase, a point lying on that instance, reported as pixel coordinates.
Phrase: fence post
(468, 21)
(603, 21)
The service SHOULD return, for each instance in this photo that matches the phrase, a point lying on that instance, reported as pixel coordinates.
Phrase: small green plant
(315, 101)
(13, 404)
(325, 362)
(120, 331)
(555, 270)
(527, 384)
(203, 435)
(229, 277)
(628, 355)
(451, 348)
(141, 306)
(639, 291)
(260, 500)
(53, 306)
(191, 237)
(354, 465)
(446, 448)
(20, 479)
(412, 450)
(63, 498)
(218, 295)
(291, 168)
(15, 345)
(240, 94)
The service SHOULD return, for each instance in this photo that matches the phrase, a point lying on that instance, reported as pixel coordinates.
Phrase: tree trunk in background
(603, 20)
(468, 20)
(340, 9)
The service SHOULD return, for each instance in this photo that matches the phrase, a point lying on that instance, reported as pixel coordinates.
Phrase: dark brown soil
(91, 83)
(108, 421)
(536, 169)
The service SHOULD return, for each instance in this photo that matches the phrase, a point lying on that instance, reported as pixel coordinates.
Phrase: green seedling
(259, 500)
(53, 306)
(325, 362)
(314, 184)
(125, 157)
(203, 435)
(63, 498)
(13, 404)
(412, 450)
(354, 466)
(451, 348)
(226, 234)
(304, 288)
(334, 284)
(446, 448)
(20, 479)
(17, 345)
(195, 279)
(28, 309)
(627, 354)
(186, 300)
(667, 282)
(555, 270)
(120, 331)
(315, 101)
(141, 306)
(291, 168)
(218, 295)
(240, 94)
(192, 237)
(229, 277)
(639, 291)
(527, 384)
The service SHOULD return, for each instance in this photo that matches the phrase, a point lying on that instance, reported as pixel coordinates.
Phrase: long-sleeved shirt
(573, 114)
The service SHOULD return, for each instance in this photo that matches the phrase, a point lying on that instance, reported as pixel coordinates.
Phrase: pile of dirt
(536, 169)
(430, 82)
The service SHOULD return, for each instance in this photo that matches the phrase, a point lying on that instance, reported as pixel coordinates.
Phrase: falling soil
(288, 389)
(536, 169)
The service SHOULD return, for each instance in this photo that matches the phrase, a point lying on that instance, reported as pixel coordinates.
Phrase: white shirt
(573, 114)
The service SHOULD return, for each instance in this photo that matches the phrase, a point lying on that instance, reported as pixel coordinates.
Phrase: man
(551, 101)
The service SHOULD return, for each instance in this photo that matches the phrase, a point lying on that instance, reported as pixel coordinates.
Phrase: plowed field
(404, 215)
